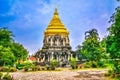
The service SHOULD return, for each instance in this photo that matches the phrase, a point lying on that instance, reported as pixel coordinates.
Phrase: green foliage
(108, 73)
(9, 50)
(5, 69)
(112, 75)
(34, 68)
(54, 63)
(93, 64)
(13, 69)
(31, 68)
(5, 37)
(87, 65)
(26, 68)
(7, 77)
(28, 65)
(91, 48)
(19, 51)
(90, 64)
(6, 56)
(73, 62)
(113, 41)
(104, 54)
(101, 64)
(1, 74)
(21, 66)
(47, 67)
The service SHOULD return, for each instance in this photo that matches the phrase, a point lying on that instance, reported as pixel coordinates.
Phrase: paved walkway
(61, 75)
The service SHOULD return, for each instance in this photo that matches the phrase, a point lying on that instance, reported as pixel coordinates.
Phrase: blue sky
(28, 19)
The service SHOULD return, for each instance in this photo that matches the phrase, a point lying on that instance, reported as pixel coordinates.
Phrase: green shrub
(117, 76)
(26, 68)
(86, 65)
(108, 73)
(90, 64)
(47, 67)
(53, 63)
(28, 64)
(101, 64)
(1, 74)
(7, 77)
(93, 64)
(13, 69)
(73, 63)
(5, 69)
(114, 73)
(19, 66)
(34, 68)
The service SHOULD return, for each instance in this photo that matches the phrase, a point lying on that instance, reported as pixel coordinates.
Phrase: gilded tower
(56, 43)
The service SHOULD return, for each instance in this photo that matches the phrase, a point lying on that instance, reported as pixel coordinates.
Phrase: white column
(51, 42)
(52, 56)
(57, 42)
(63, 42)
(66, 40)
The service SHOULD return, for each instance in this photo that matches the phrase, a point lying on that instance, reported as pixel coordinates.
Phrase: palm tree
(91, 34)
(91, 45)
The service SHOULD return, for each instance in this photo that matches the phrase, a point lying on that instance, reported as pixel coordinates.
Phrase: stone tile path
(61, 75)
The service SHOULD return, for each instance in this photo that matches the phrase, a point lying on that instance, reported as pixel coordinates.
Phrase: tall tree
(113, 40)
(91, 45)
(5, 37)
(9, 50)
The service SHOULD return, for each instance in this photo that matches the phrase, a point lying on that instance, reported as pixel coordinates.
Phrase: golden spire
(55, 26)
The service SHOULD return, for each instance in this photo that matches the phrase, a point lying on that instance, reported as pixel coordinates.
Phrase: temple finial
(56, 11)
